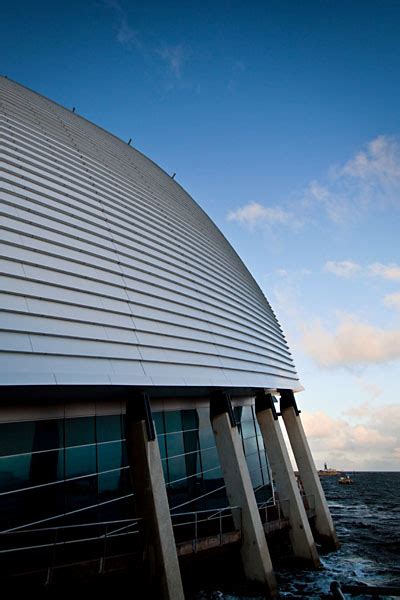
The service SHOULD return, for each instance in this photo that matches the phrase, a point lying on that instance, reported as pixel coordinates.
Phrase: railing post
(103, 558)
(220, 527)
(195, 531)
(53, 557)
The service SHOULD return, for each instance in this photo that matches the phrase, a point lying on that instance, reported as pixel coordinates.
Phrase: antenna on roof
(173, 175)
(73, 110)
(129, 143)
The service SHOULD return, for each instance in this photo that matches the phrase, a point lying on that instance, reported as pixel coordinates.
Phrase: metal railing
(48, 548)
(195, 525)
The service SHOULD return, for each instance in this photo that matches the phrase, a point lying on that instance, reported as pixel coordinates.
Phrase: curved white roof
(111, 273)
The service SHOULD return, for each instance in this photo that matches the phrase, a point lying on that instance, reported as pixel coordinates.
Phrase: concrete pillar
(254, 550)
(324, 526)
(282, 472)
(151, 500)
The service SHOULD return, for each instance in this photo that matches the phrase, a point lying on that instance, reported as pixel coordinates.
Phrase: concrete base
(254, 550)
(282, 472)
(152, 503)
(324, 527)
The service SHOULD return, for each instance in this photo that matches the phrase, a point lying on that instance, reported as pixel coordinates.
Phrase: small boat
(345, 480)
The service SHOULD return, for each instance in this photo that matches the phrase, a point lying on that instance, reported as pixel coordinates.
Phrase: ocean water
(367, 520)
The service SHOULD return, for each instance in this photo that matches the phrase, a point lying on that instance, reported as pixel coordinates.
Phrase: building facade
(115, 284)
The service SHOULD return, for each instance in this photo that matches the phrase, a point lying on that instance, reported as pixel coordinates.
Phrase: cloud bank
(371, 444)
(349, 269)
(351, 343)
(370, 181)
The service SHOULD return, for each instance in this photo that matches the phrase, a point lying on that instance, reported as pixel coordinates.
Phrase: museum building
(139, 360)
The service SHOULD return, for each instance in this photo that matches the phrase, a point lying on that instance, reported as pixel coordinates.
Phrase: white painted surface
(109, 271)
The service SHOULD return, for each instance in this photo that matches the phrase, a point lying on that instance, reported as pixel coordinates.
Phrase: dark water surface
(367, 520)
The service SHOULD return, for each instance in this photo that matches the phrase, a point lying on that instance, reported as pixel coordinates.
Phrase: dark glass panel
(238, 415)
(158, 418)
(176, 468)
(264, 466)
(173, 421)
(204, 418)
(82, 493)
(253, 464)
(206, 437)
(247, 425)
(161, 445)
(190, 419)
(108, 428)
(16, 438)
(124, 461)
(250, 446)
(210, 460)
(174, 444)
(48, 435)
(80, 461)
(109, 485)
(109, 456)
(165, 470)
(79, 431)
(190, 422)
(47, 467)
(15, 472)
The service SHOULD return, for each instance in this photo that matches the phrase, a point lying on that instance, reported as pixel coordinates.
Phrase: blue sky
(282, 120)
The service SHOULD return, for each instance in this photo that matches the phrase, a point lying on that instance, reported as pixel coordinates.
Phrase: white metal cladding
(111, 273)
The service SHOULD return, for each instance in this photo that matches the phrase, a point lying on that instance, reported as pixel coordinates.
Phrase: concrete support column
(151, 499)
(254, 550)
(324, 526)
(282, 472)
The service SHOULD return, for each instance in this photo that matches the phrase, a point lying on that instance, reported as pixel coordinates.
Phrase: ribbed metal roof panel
(111, 273)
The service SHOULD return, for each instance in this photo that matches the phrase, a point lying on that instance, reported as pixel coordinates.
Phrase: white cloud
(390, 271)
(344, 268)
(352, 343)
(256, 215)
(368, 181)
(366, 437)
(379, 162)
(392, 300)
(349, 268)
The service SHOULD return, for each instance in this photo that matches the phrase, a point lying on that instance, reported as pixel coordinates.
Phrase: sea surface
(367, 520)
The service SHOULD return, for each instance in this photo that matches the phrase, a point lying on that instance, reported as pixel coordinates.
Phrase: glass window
(253, 464)
(206, 437)
(158, 419)
(210, 460)
(15, 472)
(82, 493)
(250, 446)
(162, 446)
(109, 485)
(173, 421)
(108, 428)
(174, 444)
(16, 438)
(190, 420)
(47, 467)
(176, 468)
(80, 461)
(248, 428)
(79, 431)
(109, 456)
